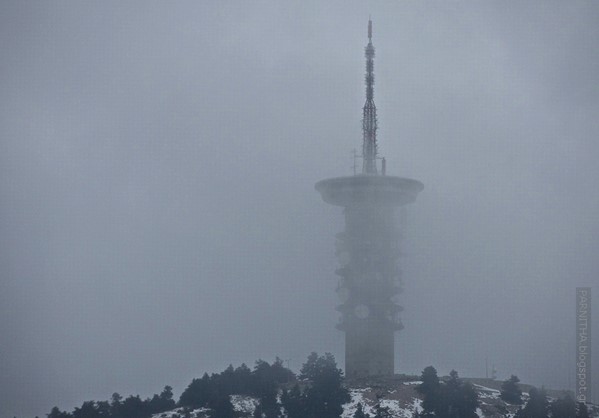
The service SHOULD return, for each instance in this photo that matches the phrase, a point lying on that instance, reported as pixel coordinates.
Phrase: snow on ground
(401, 400)
(367, 397)
(485, 392)
(398, 410)
(357, 396)
(184, 413)
(244, 404)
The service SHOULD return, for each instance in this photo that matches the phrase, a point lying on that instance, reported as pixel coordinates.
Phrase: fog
(158, 217)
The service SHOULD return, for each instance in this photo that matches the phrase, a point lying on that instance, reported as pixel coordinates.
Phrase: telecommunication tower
(368, 249)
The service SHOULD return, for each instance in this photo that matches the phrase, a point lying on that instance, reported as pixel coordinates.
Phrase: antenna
(369, 122)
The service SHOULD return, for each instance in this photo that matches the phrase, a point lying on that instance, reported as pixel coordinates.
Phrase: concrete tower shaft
(368, 251)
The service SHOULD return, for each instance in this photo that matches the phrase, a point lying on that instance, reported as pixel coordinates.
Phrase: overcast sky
(158, 217)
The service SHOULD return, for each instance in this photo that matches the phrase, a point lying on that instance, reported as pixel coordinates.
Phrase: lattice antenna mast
(369, 122)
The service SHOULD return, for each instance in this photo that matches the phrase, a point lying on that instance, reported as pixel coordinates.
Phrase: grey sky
(158, 216)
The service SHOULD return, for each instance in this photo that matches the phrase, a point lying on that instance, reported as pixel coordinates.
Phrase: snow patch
(244, 404)
(184, 413)
(487, 393)
(396, 407)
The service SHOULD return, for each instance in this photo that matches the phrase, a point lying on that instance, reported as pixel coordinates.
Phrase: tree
(243, 379)
(280, 373)
(263, 382)
(450, 396)
(269, 405)
(263, 378)
(294, 402)
(510, 391)
(57, 413)
(222, 408)
(381, 411)
(453, 399)
(103, 408)
(582, 411)
(212, 391)
(467, 401)
(88, 410)
(198, 393)
(264, 375)
(430, 389)
(258, 412)
(134, 407)
(163, 402)
(459, 399)
(563, 408)
(360, 412)
(116, 406)
(537, 405)
(326, 396)
(225, 381)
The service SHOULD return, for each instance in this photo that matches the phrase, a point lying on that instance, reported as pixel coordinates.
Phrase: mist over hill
(158, 217)
(319, 391)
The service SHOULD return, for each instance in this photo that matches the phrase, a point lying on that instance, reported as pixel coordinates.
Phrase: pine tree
(223, 408)
(87, 410)
(243, 379)
(57, 413)
(326, 395)
(467, 401)
(258, 412)
(510, 391)
(133, 407)
(360, 412)
(294, 402)
(450, 394)
(430, 389)
(453, 399)
(268, 401)
(161, 403)
(582, 411)
(458, 399)
(382, 411)
(537, 405)
(563, 408)
(198, 393)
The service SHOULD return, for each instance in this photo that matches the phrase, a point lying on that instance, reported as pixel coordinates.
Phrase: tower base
(369, 351)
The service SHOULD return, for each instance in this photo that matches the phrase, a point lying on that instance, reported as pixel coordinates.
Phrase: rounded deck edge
(384, 190)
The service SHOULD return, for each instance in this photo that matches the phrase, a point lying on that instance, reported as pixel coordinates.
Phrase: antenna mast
(369, 122)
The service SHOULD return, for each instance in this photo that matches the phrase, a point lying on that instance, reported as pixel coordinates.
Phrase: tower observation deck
(368, 249)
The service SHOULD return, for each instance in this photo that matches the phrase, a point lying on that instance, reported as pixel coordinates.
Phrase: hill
(397, 393)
